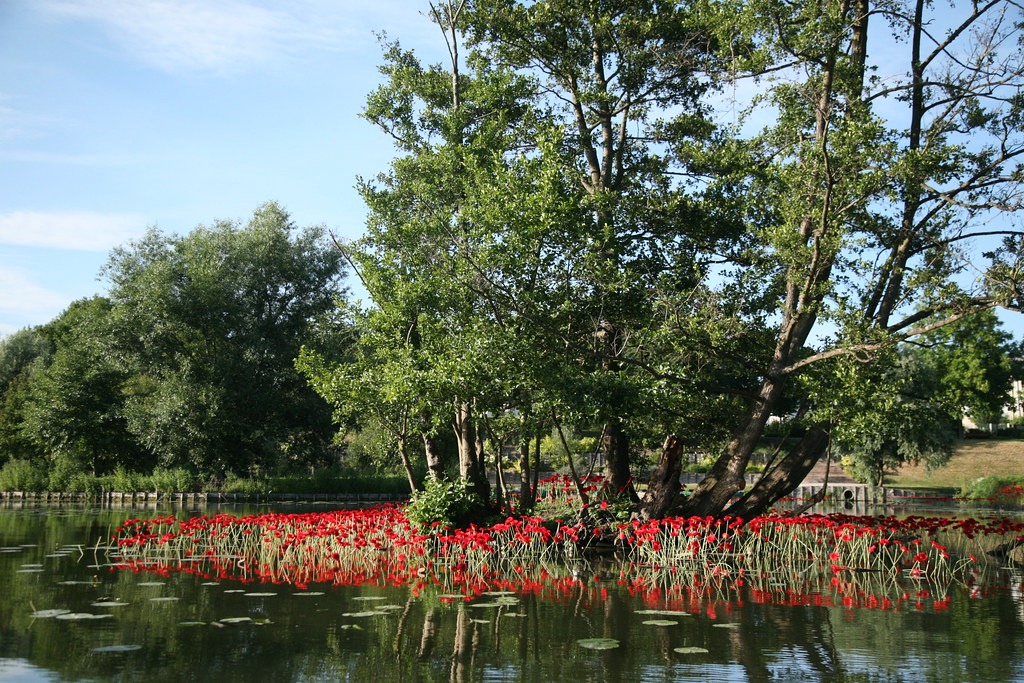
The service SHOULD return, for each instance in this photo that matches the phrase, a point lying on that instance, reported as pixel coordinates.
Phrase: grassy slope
(973, 458)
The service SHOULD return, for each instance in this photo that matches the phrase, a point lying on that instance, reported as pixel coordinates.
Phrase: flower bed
(854, 561)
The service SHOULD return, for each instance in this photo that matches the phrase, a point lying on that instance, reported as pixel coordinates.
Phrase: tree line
(664, 225)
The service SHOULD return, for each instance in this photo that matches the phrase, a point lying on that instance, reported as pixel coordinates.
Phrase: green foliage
(441, 504)
(19, 474)
(1002, 491)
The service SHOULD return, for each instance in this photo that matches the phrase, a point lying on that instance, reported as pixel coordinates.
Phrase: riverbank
(200, 498)
(972, 459)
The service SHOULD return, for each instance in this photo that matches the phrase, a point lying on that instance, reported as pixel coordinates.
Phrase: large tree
(209, 326)
(575, 184)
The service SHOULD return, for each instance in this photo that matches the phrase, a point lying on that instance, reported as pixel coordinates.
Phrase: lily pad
(307, 594)
(110, 603)
(729, 625)
(661, 622)
(117, 648)
(150, 583)
(235, 620)
(692, 650)
(664, 612)
(191, 623)
(82, 616)
(598, 643)
(210, 583)
(235, 590)
(49, 613)
(369, 597)
(260, 595)
(361, 615)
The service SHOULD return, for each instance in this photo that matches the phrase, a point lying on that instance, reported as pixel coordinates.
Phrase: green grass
(974, 458)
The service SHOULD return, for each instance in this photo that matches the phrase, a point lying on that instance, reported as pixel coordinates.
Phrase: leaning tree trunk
(663, 489)
(786, 475)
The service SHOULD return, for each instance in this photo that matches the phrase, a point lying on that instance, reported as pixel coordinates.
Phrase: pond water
(66, 616)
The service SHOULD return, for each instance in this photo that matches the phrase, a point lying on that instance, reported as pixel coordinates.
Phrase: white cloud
(216, 37)
(19, 295)
(77, 230)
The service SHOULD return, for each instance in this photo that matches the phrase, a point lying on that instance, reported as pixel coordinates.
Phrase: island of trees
(658, 228)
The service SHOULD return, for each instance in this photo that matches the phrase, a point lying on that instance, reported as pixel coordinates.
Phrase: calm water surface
(130, 627)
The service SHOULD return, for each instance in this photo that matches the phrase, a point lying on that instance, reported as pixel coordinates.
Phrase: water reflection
(187, 627)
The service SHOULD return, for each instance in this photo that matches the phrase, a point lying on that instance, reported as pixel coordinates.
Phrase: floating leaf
(31, 566)
(28, 571)
(82, 616)
(235, 590)
(260, 595)
(692, 650)
(307, 594)
(168, 598)
(360, 615)
(661, 622)
(598, 643)
(117, 648)
(110, 603)
(191, 623)
(369, 597)
(210, 583)
(730, 625)
(235, 620)
(663, 612)
(49, 613)
(150, 583)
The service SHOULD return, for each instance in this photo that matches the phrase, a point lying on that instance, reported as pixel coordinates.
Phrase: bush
(23, 475)
(1002, 491)
(442, 504)
(172, 481)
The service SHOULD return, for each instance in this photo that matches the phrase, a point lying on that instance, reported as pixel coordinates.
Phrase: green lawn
(973, 458)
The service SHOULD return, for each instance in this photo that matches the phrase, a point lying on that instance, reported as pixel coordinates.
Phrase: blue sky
(117, 115)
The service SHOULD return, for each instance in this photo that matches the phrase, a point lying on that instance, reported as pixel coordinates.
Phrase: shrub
(442, 504)
(1003, 491)
(23, 475)
(172, 481)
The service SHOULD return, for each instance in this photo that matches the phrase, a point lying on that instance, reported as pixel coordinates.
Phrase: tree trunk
(403, 453)
(526, 491)
(663, 488)
(616, 461)
(726, 479)
(469, 461)
(435, 464)
(786, 476)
